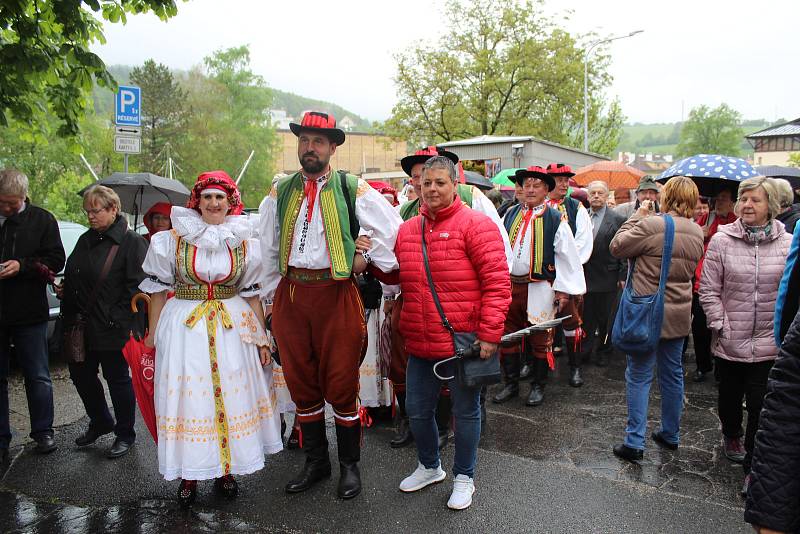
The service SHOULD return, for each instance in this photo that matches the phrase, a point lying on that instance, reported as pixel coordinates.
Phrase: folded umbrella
(141, 360)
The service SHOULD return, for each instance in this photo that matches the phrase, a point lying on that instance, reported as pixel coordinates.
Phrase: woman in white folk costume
(216, 408)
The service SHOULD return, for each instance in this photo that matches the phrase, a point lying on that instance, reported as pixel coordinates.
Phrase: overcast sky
(692, 52)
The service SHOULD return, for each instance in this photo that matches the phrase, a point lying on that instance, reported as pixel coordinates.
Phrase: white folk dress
(216, 407)
(374, 390)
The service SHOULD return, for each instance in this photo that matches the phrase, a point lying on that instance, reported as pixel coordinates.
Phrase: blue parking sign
(128, 106)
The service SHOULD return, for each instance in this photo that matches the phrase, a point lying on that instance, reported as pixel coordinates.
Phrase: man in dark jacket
(773, 496)
(603, 272)
(30, 251)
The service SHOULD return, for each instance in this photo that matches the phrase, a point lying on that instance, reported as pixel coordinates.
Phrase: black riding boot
(349, 442)
(318, 464)
(511, 363)
(575, 379)
(444, 411)
(403, 435)
(540, 369)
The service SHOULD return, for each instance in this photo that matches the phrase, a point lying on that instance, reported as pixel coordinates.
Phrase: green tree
(45, 62)
(711, 131)
(230, 117)
(794, 159)
(164, 113)
(502, 69)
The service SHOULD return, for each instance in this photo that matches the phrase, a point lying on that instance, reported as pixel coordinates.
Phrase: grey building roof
(500, 139)
(787, 128)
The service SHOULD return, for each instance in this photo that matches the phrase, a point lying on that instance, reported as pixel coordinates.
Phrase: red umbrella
(141, 359)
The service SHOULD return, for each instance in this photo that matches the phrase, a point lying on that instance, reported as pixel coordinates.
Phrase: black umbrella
(791, 174)
(478, 180)
(139, 191)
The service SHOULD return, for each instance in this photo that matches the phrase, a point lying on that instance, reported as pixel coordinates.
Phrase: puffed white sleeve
(269, 239)
(252, 281)
(569, 270)
(159, 264)
(378, 219)
(482, 204)
(584, 238)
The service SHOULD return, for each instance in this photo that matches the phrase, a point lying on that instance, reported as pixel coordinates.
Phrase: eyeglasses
(95, 211)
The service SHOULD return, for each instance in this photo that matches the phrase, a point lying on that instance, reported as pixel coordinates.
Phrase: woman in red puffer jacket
(470, 272)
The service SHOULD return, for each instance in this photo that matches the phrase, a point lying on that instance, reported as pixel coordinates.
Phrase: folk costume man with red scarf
(475, 199)
(308, 223)
(581, 226)
(545, 273)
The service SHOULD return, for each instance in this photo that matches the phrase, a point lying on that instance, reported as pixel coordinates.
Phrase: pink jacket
(470, 271)
(738, 290)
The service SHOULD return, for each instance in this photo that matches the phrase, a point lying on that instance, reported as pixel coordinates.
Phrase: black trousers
(87, 382)
(598, 307)
(737, 381)
(701, 336)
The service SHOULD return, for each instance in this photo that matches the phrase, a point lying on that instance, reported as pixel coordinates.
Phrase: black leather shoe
(628, 453)
(90, 436)
(187, 493)
(310, 475)
(658, 438)
(118, 449)
(349, 481)
(536, 396)
(403, 435)
(227, 487)
(575, 378)
(699, 376)
(45, 445)
(509, 391)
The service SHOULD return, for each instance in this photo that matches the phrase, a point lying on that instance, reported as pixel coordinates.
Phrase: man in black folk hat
(545, 273)
(309, 224)
(577, 217)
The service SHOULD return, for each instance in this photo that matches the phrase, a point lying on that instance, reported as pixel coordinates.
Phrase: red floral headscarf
(216, 180)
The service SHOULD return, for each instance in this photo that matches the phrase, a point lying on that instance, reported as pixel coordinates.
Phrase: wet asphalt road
(544, 469)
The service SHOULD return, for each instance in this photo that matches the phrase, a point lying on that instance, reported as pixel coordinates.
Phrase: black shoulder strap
(351, 209)
(436, 301)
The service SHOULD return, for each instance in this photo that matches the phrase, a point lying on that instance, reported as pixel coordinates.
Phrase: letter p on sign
(128, 106)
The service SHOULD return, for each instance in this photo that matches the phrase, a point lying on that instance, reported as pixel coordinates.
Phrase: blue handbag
(637, 326)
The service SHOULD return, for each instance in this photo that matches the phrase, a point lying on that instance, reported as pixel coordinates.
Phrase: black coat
(110, 320)
(603, 271)
(32, 238)
(790, 218)
(773, 500)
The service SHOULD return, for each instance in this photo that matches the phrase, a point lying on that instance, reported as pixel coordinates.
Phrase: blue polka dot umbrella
(711, 173)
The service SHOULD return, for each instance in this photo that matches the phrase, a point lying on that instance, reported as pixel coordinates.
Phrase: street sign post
(128, 119)
(127, 144)
(128, 106)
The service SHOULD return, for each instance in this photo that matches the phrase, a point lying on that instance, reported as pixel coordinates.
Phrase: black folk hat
(317, 121)
(421, 156)
(534, 172)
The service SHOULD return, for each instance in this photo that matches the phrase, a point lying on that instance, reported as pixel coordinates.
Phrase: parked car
(70, 232)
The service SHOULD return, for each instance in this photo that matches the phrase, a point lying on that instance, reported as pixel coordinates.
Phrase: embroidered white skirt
(216, 406)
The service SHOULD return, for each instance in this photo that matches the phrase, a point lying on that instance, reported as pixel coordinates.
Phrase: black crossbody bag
(471, 370)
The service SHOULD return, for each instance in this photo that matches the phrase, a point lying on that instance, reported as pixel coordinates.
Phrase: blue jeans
(30, 343)
(422, 394)
(638, 376)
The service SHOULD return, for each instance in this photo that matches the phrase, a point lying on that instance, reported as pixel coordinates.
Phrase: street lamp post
(591, 47)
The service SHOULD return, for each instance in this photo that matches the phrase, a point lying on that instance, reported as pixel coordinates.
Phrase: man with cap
(577, 218)
(309, 224)
(475, 199)
(647, 190)
(546, 271)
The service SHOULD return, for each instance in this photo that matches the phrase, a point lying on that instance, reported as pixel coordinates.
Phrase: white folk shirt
(482, 204)
(376, 217)
(584, 238)
(569, 270)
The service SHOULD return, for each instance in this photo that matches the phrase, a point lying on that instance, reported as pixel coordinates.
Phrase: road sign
(128, 106)
(127, 144)
(130, 131)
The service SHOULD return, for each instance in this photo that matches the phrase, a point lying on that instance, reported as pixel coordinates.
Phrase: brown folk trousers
(399, 361)
(320, 330)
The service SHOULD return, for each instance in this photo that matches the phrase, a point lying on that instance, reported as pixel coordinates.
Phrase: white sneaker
(463, 488)
(421, 478)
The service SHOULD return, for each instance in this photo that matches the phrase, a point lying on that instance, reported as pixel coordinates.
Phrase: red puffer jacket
(470, 272)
